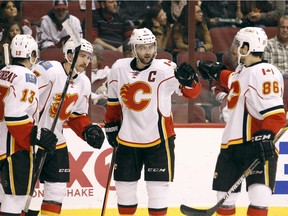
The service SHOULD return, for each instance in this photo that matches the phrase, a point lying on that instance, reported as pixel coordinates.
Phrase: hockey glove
(210, 70)
(263, 144)
(94, 136)
(186, 74)
(112, 130)
(44, 138)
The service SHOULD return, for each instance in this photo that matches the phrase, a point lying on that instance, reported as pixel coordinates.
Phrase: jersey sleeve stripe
(12, 121)
(272, 110)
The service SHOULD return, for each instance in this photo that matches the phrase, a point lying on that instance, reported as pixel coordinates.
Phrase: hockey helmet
(69, 46)
(254, 36)
(22, 46)
(142, 36)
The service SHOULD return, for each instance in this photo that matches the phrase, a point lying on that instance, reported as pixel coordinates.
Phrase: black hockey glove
(44, 138)
(94, 135)
(210, 70)
(263, 144)
(186, 74)
(112, 129)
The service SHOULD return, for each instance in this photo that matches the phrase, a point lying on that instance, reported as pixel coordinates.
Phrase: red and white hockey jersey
(255, 102)
(18, 108)
(143, 98)
(52, 79)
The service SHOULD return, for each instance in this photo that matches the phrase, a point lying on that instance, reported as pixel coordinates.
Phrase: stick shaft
(108, 182)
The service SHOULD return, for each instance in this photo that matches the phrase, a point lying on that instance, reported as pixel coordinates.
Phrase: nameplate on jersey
(30, 78)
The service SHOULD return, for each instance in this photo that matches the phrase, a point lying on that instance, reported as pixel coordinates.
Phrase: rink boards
(196, 152)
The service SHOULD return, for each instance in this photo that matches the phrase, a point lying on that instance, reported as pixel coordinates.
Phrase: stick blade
(186, 210)
(72, 32)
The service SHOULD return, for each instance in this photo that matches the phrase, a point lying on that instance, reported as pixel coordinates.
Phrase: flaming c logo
(64, 112)
(128, 94)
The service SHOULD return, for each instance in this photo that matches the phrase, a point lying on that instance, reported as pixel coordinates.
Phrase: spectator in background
(51, 33)
(11, 11)
(203, 40)
(261, 13)
(127, 49)
(134, 11)
(109, 31)
(156, 21)
(9, 33)
(99, 78)
(276, 51)
(173, 9)
(219, 13)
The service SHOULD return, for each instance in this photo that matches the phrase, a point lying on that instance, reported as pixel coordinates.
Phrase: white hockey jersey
(255, 93)
(52, 79)
(145, 99)
(18, 108)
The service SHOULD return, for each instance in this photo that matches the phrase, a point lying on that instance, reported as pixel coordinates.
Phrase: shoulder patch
(31, 78)
(46, 64)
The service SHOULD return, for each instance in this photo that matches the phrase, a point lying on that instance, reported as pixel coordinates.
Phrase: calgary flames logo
(133, 95)
(69, 100)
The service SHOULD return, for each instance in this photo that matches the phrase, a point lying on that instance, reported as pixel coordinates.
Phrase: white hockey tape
(6, 53)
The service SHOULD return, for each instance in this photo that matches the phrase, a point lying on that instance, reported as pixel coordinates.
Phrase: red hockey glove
(94, 135)
(263, 143)
(44, 138)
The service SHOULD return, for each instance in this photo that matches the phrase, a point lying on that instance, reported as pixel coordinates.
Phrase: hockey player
(52, 77)
(19, 134)
(139, 100)
(256, 114)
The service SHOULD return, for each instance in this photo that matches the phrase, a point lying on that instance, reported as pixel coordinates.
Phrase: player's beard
(146, 60)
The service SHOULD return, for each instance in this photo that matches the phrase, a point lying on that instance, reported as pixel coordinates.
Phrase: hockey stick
(76, 39)
(208, 212)
(108, 181)
(6, 54)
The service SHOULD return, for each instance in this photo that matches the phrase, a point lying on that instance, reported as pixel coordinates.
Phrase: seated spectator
(156, 21)
(10, 11)
(9, 33)
(202, 41)
(219, 13)
(134, 11)
(173, 9)
(276, 51)
(109, 31)
(261, 13)
(51, 33)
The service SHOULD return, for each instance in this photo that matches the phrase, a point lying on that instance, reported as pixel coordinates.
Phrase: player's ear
(70, 56)
(33, 54)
